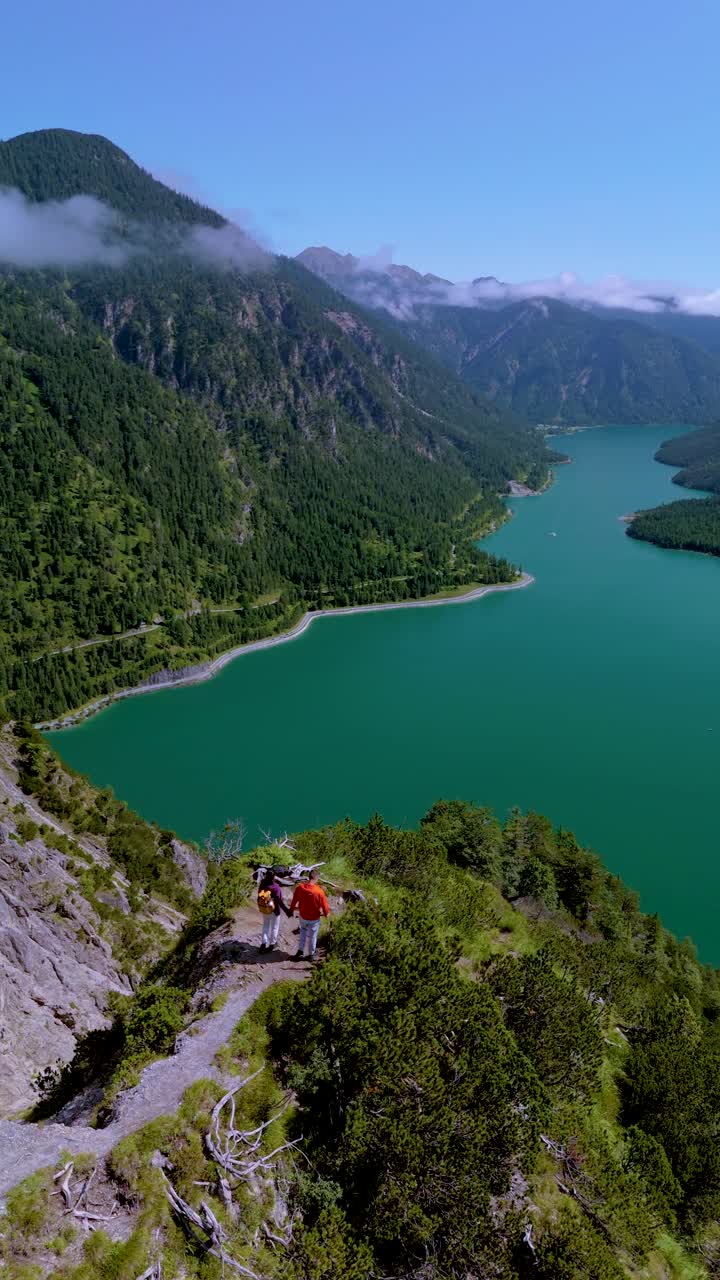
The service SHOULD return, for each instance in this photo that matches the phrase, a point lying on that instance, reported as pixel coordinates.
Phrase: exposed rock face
(55, 969)
(72, 930)
(193, 867)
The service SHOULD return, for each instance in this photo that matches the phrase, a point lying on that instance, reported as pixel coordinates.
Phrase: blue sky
(520, 139)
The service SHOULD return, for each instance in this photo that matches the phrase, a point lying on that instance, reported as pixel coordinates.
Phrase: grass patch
(670, 1261)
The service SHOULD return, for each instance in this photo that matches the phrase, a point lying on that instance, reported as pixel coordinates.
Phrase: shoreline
(207, 670)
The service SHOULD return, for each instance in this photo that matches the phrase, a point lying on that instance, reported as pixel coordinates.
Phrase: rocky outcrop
(193, 867)
(55, 968)
(72, 929)
(229, 965)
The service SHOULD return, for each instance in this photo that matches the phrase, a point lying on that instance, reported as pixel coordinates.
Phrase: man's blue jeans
(308, 936)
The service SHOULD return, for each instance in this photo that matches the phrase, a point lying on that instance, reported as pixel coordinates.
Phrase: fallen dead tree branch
(155, 1272)
(74, 1202)
(574, 1182)
(274, 1238)
(237, 1154)
(287, 876)
(63, 1177)
(232, 1149)
(203, 1229)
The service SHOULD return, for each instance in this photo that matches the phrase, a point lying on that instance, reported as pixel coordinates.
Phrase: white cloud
(82, 231)
(58, 232)
(701, 304)
(376, 286)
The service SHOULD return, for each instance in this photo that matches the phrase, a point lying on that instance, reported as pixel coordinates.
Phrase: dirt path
(24, 1148)
(209, 669)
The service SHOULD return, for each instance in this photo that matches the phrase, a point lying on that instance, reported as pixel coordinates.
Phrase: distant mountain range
(549, 361)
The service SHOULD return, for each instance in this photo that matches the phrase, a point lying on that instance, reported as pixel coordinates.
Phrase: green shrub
(413, 1098)
(537, 880)
(551, 1019)
(156, 1016)
(27, 829)
(470, 836)
(568, 1249)
(328, 1250)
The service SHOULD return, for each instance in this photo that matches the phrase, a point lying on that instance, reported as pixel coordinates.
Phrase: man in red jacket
(311, 900)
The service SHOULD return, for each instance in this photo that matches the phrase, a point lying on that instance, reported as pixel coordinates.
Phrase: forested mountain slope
(188, 433)
(554, 363)
(697, 454)
(56, 164)
(501, 1067)
(548, 361)
(704, 330)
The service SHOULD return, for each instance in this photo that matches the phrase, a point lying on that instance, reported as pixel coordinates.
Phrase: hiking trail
(25, 1148)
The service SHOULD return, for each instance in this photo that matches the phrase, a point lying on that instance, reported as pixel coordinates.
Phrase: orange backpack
(265, 902)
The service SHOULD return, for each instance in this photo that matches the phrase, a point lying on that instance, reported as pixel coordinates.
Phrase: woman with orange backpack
(270, 904)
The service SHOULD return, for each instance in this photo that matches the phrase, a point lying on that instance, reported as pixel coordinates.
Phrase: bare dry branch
(63, 1176)
(230, 1262)
(528, 1238)
(212, 1233)
(82, 1193)
(155, 1272)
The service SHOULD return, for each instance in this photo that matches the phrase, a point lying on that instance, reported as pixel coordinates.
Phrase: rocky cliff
(75, 931)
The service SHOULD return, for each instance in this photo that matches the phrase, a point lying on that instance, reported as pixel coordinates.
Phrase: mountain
(57, 164)
(195, 433)
(492, 1026)
(328, 264)
(704, 330)
(332, 267)
(384, 286)
(552, 363)
(547, 361)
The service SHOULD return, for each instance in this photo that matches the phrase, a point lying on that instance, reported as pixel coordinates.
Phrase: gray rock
(55, 969)
(192, 865)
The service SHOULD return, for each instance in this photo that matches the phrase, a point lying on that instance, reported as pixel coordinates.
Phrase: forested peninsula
(697, 454)
(692, 524)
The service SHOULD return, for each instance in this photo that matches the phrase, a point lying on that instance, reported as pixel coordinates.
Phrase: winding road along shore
(206, 670)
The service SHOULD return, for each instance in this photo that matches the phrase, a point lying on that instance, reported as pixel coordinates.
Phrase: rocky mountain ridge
(549, 361)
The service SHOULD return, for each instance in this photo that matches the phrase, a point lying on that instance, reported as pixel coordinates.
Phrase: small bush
(27, 829)
(156, 1016)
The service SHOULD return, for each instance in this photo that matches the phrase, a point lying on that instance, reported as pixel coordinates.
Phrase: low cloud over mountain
(378, 282)
(83, 231)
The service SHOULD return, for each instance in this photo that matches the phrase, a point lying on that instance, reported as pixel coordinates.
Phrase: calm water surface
(592, 696)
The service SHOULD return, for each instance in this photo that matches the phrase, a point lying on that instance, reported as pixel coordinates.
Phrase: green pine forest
(692, 524)
(698, 456)
(213, 447)
(689, 525)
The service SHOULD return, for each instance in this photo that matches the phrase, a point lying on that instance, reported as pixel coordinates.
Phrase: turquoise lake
(592, 696)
